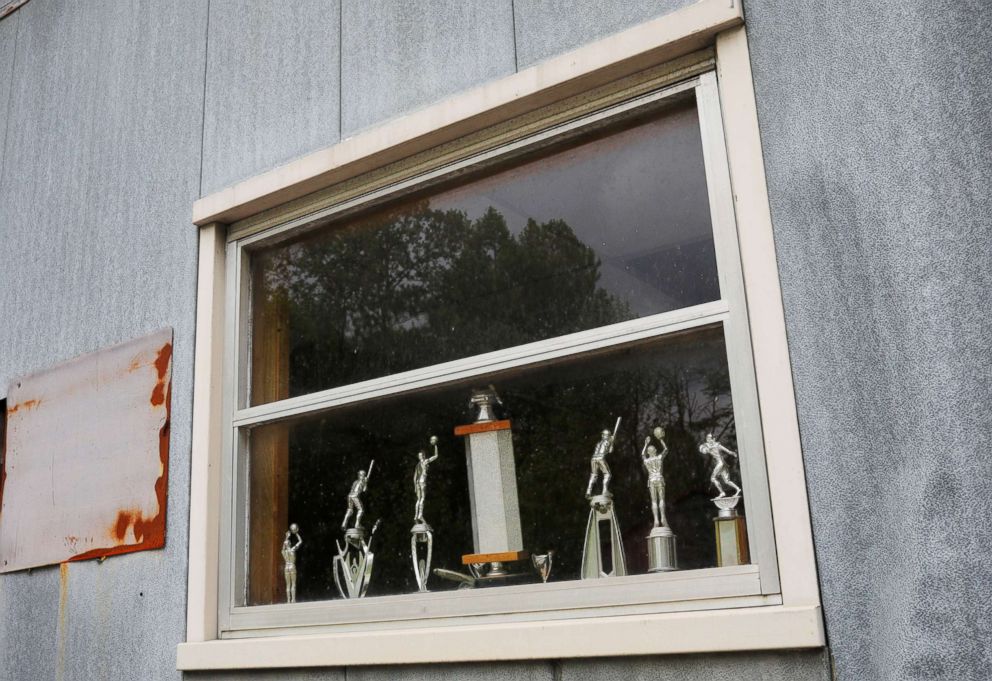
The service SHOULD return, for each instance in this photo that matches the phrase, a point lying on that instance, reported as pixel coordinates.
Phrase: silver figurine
(661, 541)
(730, 527)
(421, 534)
(602, 518)
(289, 556)
(653, 461)
(598, 462)
(721, 473)
(354, 498)
(420, 480)
(353, 564)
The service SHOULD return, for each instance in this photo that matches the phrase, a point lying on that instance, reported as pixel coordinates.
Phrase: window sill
(758, 628)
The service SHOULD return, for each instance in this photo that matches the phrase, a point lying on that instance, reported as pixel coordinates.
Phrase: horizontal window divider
(551, 600)
(578, 343)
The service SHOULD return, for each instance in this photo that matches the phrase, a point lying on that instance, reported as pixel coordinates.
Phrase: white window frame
(774, 604)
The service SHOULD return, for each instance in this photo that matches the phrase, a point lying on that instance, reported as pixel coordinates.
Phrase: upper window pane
(611, 229)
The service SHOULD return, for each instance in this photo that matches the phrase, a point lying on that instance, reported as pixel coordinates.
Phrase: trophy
(421, 535)
(542, 564)
(353, 564)
(492, 480)
(661, 540)
(289, 556)
(601, 513)
(730, 526)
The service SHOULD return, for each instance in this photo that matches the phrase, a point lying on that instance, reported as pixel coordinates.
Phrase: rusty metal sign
(87, 457)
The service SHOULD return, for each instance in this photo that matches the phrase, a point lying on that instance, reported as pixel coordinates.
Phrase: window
(582, 262)
(583, 274)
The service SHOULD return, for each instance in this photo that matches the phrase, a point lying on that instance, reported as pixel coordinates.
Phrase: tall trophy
(730, 526)
(289, 559)
(661, 540)
(601, 513)
(492, 481)
(421, 535)
(353, 564)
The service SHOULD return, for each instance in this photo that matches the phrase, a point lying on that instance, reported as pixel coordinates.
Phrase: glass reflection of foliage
(414, 286)
(679, 382)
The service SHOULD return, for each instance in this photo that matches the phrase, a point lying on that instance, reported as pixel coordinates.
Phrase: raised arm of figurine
(294, 529)
(613, 437)
(644, 449)
(433, 444)
(659, 435)
(724, 449)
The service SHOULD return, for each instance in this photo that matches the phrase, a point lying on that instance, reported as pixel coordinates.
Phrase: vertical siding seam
(513, 24)
(340, 69)
(203, 106)
(9, 105)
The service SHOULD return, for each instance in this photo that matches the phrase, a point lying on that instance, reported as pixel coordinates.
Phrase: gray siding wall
(115, 116)
(875, 124)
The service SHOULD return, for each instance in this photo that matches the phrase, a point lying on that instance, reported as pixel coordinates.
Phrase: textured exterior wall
(114, 117)
(875, 126)
(273, 88)
(101, 165)
(793, 666)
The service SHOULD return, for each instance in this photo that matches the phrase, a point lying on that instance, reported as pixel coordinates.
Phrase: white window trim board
(795, 623)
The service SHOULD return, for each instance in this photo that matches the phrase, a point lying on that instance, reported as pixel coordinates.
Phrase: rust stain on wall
(149, 533)
(63, 619)
(26, 404)
(162, 367)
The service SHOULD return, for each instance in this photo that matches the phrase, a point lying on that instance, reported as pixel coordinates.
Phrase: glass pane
(302, 471)
(610, 229)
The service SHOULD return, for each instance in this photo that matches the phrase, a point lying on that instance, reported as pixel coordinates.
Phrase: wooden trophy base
(731, 541)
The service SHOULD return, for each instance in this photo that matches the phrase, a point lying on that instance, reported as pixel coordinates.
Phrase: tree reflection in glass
(599, 233)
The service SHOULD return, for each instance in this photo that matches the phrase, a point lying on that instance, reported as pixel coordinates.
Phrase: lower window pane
(301, 472)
